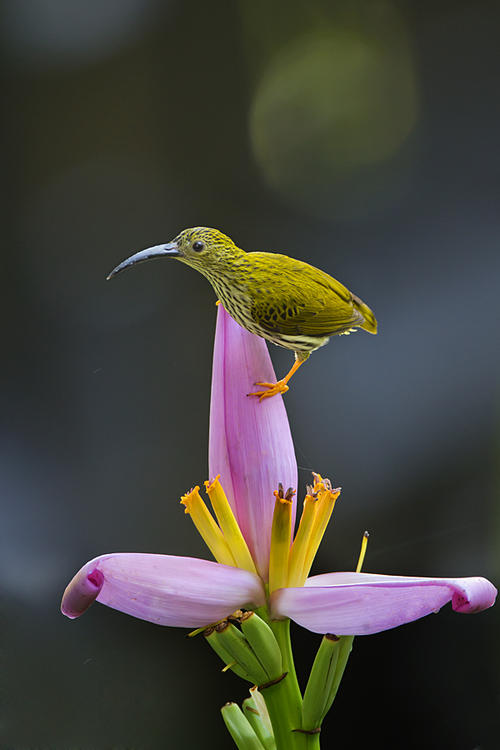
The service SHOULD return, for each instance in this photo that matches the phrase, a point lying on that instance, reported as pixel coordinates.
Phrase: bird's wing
(295, 298)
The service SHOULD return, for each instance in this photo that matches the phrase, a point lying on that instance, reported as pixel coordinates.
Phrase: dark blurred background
(361, 137)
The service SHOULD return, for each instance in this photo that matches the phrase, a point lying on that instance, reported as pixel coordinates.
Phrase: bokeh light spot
(329, 108)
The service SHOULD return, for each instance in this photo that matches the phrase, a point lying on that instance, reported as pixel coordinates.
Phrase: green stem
(284, 699)
(312, 741)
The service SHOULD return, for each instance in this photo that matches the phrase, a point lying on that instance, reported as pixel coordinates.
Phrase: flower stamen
(326, 498)
(362, 552)
(207, 528)
(281, 534)
(302, 540)
(229, 526)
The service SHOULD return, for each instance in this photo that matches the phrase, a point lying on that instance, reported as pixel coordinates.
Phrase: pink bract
(364, 603)
(250, 440)
(164, 589)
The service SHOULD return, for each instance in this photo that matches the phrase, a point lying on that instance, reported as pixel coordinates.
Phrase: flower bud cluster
(248, 647)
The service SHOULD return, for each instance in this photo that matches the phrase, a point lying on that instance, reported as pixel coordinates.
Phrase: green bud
(263, 642)
(235, 643)
(213, 640)
(239, 728)
(261, 706)
(256, 713)
(321, 682)
(344, 649)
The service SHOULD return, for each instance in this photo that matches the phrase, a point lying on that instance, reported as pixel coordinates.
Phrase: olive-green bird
(284, 300)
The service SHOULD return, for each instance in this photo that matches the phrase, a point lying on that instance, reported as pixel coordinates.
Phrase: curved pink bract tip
(250, 441)
(82, 591)
(164, 589)
(473, 595)
(364, 603)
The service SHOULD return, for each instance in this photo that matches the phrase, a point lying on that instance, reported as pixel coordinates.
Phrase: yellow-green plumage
(286, 301)
(299, 305)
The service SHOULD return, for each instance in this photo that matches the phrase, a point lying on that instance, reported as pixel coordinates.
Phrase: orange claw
(281, 386)
(272, 389)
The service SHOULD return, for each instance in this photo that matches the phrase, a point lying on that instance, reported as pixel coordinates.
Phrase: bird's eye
(198, 246)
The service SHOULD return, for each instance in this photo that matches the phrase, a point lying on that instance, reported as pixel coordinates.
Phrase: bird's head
(200, 247)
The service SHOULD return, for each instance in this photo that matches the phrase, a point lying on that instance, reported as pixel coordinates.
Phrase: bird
(283, 300)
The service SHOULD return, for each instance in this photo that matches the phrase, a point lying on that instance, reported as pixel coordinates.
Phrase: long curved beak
(170, 250)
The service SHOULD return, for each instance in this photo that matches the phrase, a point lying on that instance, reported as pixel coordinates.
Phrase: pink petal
(164, 589)
(362, 603)
(250, 441)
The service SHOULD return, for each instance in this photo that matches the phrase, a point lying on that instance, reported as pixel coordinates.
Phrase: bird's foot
(272, 389)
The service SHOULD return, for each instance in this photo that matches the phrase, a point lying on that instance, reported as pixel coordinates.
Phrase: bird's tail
(370, 323)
